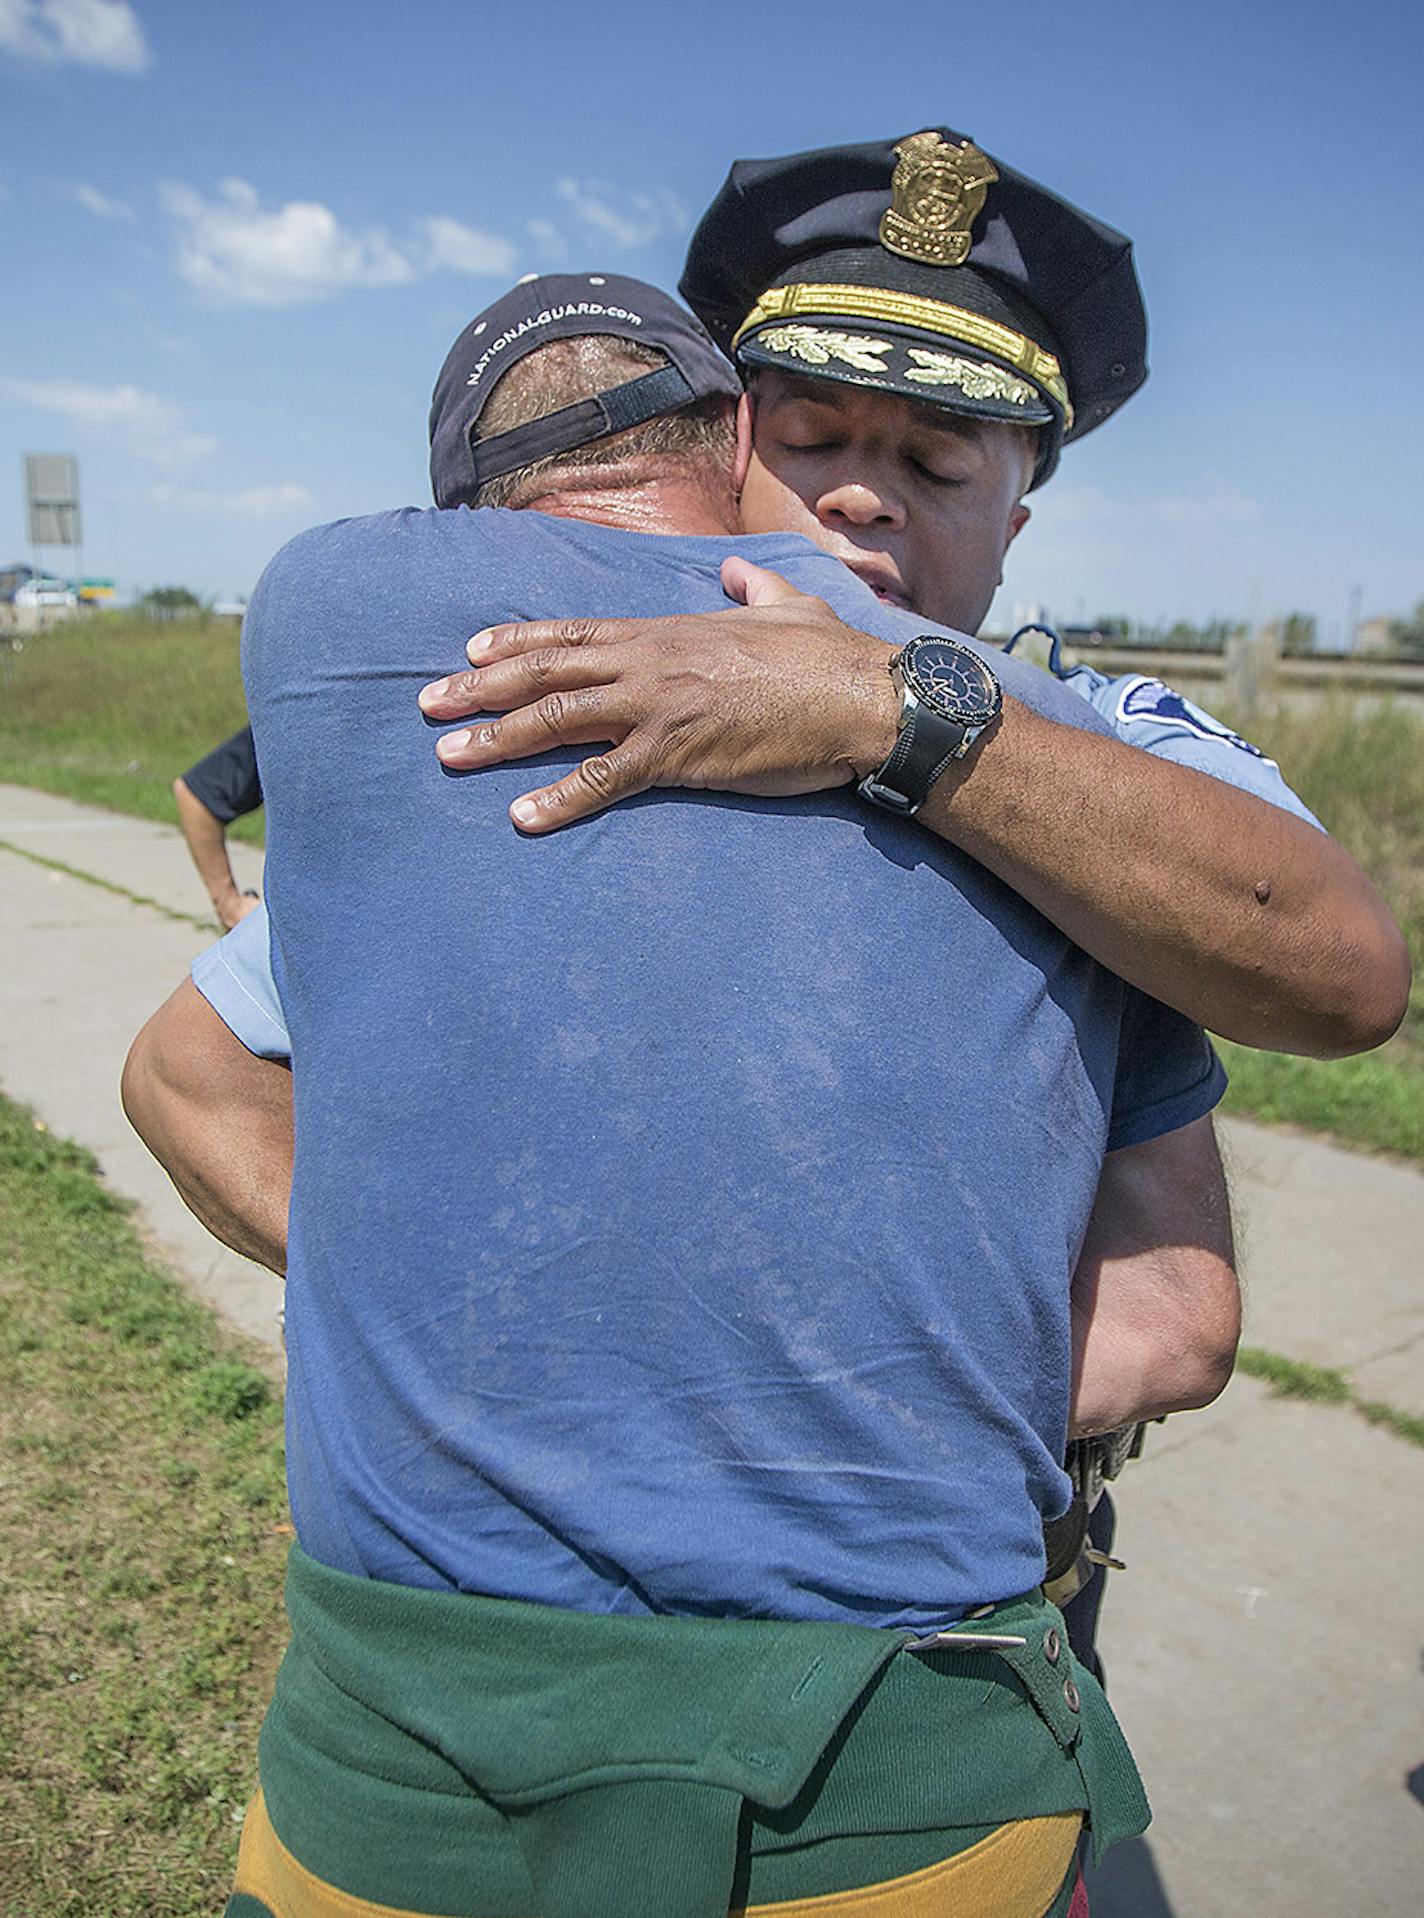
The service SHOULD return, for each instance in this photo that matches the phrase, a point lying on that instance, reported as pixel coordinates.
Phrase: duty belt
(1090, 1463)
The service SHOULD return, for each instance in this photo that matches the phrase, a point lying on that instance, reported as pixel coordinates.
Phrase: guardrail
(1243, 675)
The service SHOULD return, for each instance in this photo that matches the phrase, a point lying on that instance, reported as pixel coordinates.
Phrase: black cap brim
(894, 360)
(860, 316)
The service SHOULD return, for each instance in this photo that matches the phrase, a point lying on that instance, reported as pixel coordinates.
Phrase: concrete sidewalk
(81, 968)
(1266, 1647)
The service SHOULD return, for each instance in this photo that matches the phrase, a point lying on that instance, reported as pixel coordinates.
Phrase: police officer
(922, 330)
(925, 271)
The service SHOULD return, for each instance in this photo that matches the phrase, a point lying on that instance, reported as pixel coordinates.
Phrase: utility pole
(1352, 619)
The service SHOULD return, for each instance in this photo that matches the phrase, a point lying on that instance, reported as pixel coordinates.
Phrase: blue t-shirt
(685, 1204)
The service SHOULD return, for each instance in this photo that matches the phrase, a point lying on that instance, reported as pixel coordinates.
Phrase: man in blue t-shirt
(668, 1240)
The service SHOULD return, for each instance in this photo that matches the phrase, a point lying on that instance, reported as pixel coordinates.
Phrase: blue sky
(238, 241)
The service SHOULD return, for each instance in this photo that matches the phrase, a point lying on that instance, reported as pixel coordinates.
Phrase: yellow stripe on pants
(1015, 1872)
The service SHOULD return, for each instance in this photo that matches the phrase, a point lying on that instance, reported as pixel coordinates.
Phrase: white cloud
(99, 204)
(234, 252)
(177, 343)
(247, 502)
(549, 240)
(464, 249)
(85, 33)
(153, 429)
(1068, 505)
(625, 221)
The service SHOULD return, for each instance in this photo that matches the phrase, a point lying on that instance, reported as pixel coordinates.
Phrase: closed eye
(934, 478)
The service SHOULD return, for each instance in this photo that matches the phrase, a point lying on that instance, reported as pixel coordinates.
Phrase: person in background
(221, 787)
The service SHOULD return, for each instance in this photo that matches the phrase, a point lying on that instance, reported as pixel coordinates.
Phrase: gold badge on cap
(937, 191)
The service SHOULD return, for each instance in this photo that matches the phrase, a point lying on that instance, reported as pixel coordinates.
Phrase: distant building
(1374, 635)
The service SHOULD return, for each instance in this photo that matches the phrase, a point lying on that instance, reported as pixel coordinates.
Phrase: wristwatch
(948, 696)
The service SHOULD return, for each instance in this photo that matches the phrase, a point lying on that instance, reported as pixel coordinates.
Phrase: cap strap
(931, 316)
(664, 391)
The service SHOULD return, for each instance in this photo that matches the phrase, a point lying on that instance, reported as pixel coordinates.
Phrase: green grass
(1375, 1101)
(1325, 1385)
(1361, 770)
(1403, 1424)
(109, 710)
(1294, 1378)
(142, 1541)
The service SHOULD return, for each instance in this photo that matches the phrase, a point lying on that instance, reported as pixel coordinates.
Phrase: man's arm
(218, 1120)
(1156, 1303)
(206, 835)
(222, 786)
(1224, 907)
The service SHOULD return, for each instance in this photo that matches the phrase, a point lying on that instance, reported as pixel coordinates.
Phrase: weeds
(1325, 1385)
(142, 1540)
(110, 709)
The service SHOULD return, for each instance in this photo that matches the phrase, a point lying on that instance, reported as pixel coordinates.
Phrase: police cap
(923, 267)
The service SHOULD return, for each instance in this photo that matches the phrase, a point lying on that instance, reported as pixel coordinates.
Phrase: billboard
(52, 499)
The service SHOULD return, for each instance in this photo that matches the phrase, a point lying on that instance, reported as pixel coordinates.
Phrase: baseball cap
(562, 306)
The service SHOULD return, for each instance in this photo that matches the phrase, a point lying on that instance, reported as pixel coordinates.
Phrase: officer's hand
(776, 695)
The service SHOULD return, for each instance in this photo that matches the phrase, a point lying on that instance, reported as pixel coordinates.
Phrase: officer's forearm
(1125, 1375)
(219, 1122)
(1217, 903)
(1224, 907)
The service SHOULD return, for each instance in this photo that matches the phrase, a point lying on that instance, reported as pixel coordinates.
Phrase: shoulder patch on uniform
(1153, 699)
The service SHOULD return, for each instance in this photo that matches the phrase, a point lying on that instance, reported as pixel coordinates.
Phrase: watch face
(951, 681)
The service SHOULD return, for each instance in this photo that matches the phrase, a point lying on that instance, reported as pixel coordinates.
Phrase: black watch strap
(926, 745)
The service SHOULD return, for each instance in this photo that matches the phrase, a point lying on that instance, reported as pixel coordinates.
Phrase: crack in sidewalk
(107, 885)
